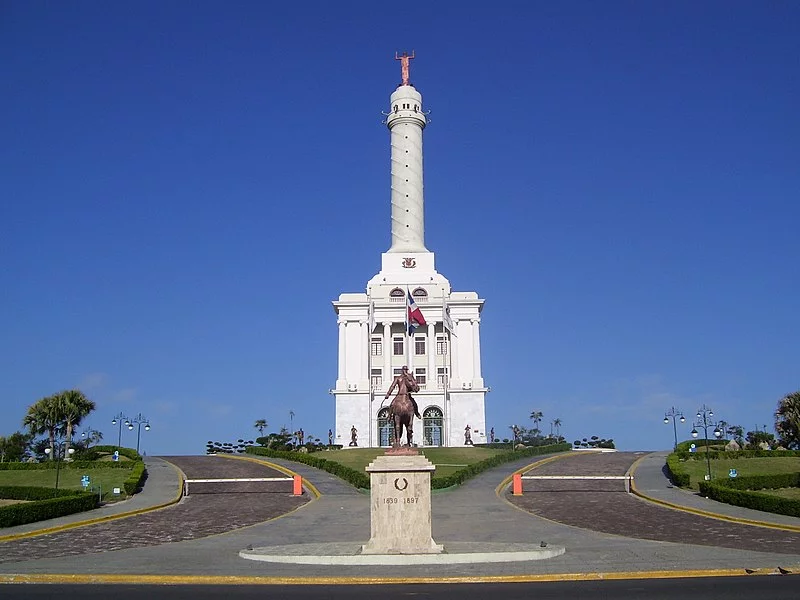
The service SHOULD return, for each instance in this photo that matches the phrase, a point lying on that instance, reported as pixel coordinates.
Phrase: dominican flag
(414, 317)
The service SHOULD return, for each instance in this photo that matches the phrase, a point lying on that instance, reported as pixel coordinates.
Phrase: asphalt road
(710, 588)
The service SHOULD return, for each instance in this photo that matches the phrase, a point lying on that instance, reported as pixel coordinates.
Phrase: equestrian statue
(403, 407)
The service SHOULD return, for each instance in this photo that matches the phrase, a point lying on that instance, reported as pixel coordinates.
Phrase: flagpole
(370, 321)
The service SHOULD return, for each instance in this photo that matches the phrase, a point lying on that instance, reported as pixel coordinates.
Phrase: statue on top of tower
(405, 70)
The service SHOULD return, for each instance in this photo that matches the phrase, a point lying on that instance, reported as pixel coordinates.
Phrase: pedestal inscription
(400, 506)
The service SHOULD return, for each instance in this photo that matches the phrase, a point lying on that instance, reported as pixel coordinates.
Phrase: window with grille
(421, 375)
(419, 345)
(441, 345)
(377, 379)
(397, 346)
(441, 377)
(377, 347)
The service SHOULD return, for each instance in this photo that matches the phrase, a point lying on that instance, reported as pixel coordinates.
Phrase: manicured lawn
(4, 502)
(791, 493)
(744, 466)
(447, 460)
(105, 479)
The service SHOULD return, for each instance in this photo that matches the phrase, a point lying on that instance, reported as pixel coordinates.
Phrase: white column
(455, 378)
(342, 352)
(365, 355)
(431, 348)
(387, 356)
(476, 352)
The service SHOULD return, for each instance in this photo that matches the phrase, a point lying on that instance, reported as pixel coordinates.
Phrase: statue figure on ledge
(353, 436)
(468, 436)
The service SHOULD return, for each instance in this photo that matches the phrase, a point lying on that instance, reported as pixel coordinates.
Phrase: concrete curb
(256, 580)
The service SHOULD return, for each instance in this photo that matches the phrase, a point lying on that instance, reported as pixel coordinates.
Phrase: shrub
(739, 492)
(133, 484)
(361, 480)
(44, 503)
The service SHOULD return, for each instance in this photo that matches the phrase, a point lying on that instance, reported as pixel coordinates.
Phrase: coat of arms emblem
(409, 263)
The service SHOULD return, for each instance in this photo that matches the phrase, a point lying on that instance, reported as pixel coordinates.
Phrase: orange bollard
(516, 488)
(297, 490)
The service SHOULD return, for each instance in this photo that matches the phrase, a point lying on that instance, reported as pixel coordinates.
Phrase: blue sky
(187, 186)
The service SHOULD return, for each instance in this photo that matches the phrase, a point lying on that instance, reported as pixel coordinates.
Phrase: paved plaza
(604, 529)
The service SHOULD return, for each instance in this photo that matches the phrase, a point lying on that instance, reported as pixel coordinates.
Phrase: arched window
(397, 295)
(385, 428)
(420, 295)
(432, 427)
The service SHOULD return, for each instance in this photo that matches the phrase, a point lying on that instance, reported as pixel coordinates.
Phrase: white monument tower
(443, 351)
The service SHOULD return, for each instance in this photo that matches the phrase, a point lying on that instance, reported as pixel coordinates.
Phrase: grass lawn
(447, 460)
(791, 493)
(4, 502)
(744, 466)
(106, 479)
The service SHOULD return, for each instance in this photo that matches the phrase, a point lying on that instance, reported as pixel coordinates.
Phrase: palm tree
(557, 424)
(261, 424)
(72, 406)
(42, 417)
(787, 420)
(536, 416)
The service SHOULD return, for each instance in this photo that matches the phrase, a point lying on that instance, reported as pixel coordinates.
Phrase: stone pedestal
(400, 506)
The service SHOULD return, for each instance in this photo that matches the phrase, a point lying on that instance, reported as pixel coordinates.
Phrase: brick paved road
(198, 515)
(604, 506)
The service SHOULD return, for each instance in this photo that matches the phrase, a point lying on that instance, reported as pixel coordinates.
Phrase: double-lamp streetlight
(704, 420)
(139, 420)
(58, 448)
(674, 413)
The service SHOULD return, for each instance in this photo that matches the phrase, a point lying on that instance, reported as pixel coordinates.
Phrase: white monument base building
(373, 340)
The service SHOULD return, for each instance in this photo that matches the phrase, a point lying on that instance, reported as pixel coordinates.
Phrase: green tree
(14, 447)
(42, 418)
(557, 424)
(261, 425)
(536, 417)
(787, 421)
(72, 407)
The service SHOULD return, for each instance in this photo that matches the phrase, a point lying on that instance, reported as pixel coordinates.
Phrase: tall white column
(342, 352)
(406, 122)
(387, 356)
(455, 376)
(431, 347)
(476, 352)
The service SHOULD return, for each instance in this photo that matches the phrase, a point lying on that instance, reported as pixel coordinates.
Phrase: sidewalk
(651, 482)
(163, 487)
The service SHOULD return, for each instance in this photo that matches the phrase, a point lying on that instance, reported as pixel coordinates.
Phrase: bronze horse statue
(403, 407)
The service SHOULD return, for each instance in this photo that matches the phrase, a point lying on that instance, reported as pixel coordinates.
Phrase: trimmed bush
(361, 480)
(351, 476)
(474, 469)
(136, 479)
(75, 464)
(739, 492)
(43, 503)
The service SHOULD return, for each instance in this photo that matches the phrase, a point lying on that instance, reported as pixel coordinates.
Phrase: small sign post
(732, 473)
(85, 482)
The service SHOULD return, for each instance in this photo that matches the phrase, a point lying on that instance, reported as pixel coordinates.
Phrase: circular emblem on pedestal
(397, 485)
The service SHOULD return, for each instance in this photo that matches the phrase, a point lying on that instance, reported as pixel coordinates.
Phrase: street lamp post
(703, 417)
(58, 447)
(674, 413)
(139, 420)
(119, 419)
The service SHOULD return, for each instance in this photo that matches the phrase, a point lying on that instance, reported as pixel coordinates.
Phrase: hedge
(44, 503)
(136, 479)
(681, 479)
(353, 477)
(361, 480)
(74, 464)
(739, 492)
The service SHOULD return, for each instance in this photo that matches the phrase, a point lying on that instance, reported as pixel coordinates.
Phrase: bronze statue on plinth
(403, 408)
